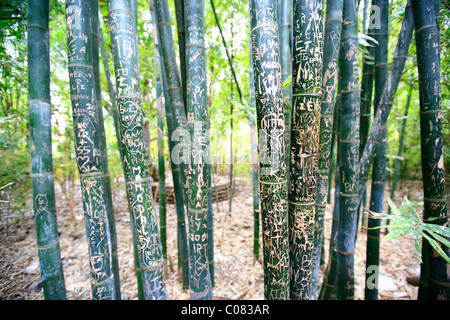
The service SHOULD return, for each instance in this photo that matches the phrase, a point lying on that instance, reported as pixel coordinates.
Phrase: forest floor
(238, 275)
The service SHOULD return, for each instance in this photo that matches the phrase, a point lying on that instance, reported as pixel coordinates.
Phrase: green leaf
(444, 231)
(441, 239)
(397, 233)
(288, 81)
(435, 246)
(393, 207)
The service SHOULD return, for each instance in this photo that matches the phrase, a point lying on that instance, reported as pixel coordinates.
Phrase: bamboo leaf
(400, 232)
(435, 246)
(288, 81)
(444, 231)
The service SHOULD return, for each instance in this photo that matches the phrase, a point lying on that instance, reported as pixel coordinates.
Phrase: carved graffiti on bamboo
(92, 189)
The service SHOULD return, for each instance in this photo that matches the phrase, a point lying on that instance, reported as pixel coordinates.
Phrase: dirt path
(237, 274)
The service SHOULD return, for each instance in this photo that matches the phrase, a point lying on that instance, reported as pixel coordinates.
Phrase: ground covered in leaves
(238, 275)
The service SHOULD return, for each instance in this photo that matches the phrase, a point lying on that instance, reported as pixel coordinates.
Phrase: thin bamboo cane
(137, 176)
(328, 288)
(286, 67)
(435, 205)
(88, 148)
(98, 101)
(332, 34)
(179, 12)
(161, 160)
(271, 147)
(42, 180)
(349, 148)
(379, 165)
(183, 263)
(198, 177)
(254, 158)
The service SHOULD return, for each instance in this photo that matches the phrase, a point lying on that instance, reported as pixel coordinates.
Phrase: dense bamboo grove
(318, 93)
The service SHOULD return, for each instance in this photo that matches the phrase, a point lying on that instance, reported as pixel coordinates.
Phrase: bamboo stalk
(88, 148)
(286, 67)
(198, 177)
(42, 180)
(435, 205)
(98, 101)
(306, 98)
(349, 149)
(271, 147)
(379, 165)
(115, 115)
(179, 12)
(183, 263)
(137, 176)
(328, 288)
(254, 158)
(161, 160)
(332, 34)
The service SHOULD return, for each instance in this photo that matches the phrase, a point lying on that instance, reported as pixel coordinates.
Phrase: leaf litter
(237, 274)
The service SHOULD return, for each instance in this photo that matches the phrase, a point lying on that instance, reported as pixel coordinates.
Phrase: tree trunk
(137, 175)
(198, 177)
(272, 148)
(41, 151)
(98, 101)
(183, 263)
(306, 97)
(88, 149)
(332, 35)
(379, 165)
(349, 149)
(435, 206)
(254, 158)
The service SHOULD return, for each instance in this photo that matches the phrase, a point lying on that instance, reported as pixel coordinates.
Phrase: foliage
(406, 220)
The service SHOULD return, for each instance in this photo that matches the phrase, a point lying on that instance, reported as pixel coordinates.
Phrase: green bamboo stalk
(160, 140)
(271, 148)
(137, 176)
(435, 205)
(179, 13)
(387, 99)
(115, 115)
(349, 148)
(183, 262)
(95, 23)
(328, 288)
(306, 98)
(367, 81)
(379, 166)
(181, 134)
(88, 148)
(332, 34)
(254, 158)
(286, 67)
(198, 176)
(52, 275)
